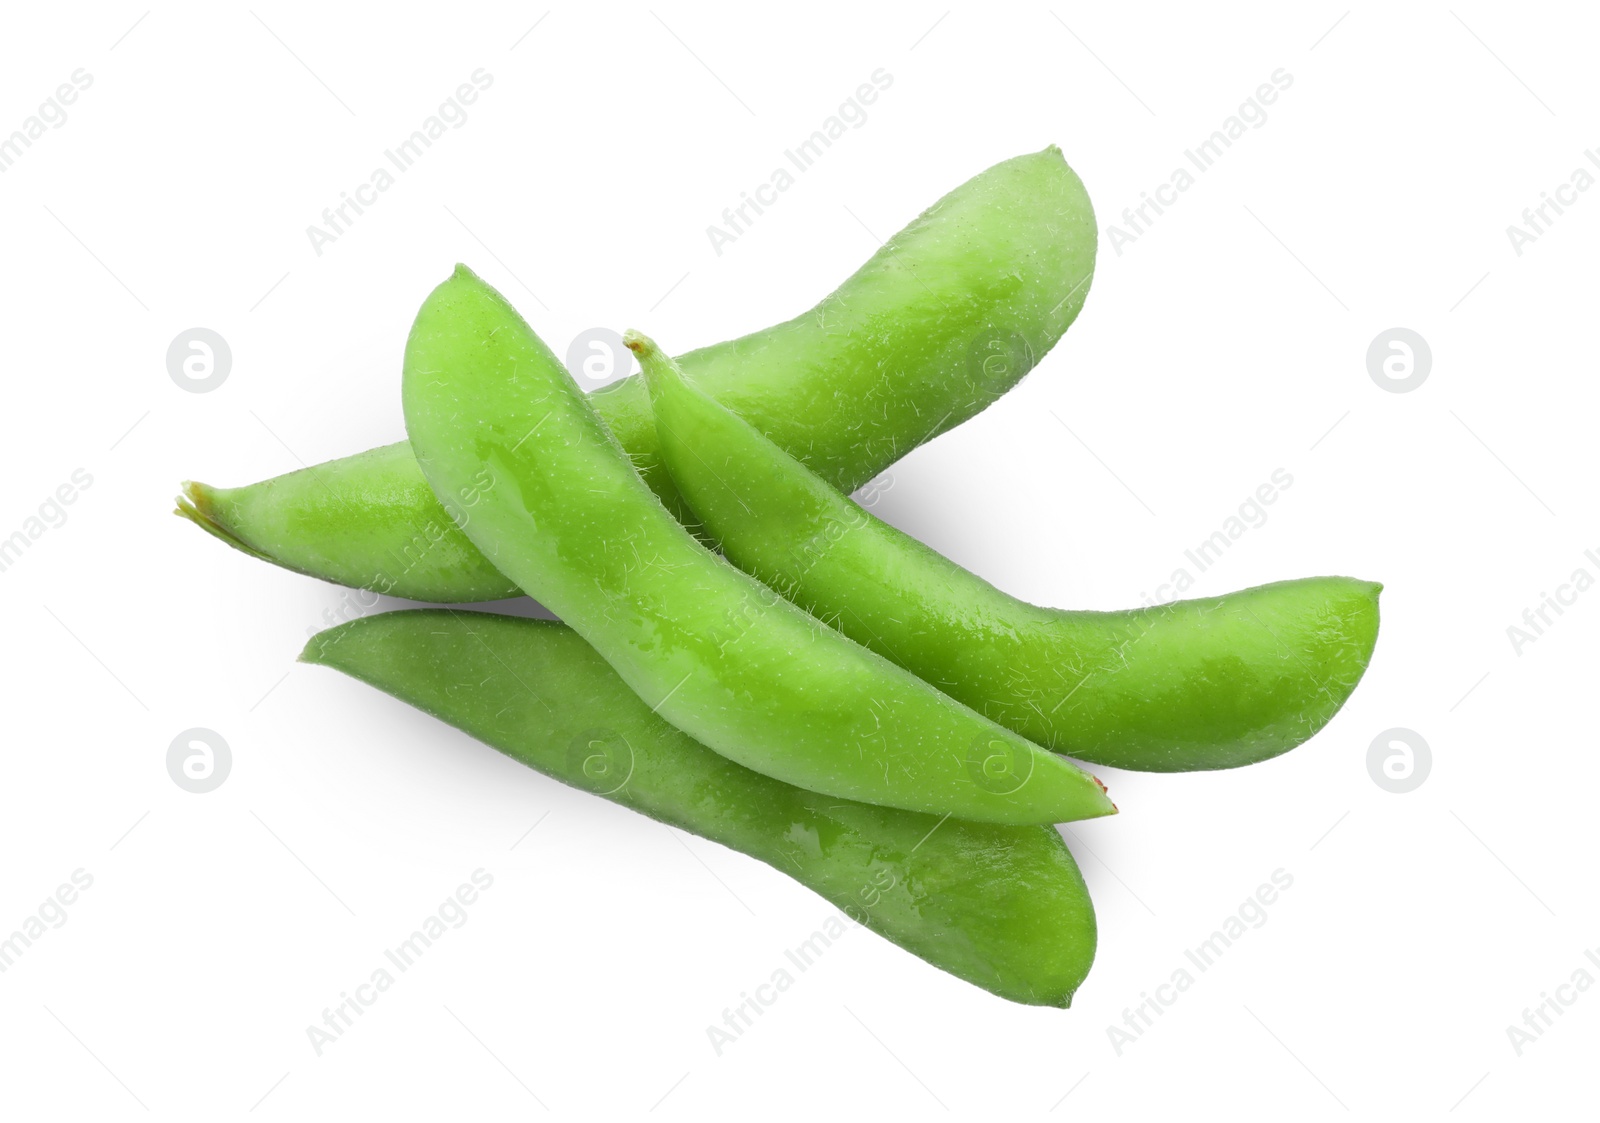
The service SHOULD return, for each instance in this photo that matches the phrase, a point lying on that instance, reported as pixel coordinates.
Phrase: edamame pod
(947, 316)
(1201, 684)
(528, 470)
(1004, 908)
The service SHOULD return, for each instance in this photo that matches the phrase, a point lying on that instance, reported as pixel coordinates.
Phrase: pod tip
(197, 503)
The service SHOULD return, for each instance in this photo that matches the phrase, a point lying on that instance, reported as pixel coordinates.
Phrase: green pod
(945, 318)
(1211, 683)
(1004, 908)
(528, 470)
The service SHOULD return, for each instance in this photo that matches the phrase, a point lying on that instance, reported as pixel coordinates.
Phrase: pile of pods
(746, 653)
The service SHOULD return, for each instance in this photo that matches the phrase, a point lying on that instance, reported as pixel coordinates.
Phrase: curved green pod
(945, 318)
(528, 470)
(1211, 683)
(1004, 908)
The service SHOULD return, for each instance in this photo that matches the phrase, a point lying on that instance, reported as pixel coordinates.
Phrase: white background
(1225, 343)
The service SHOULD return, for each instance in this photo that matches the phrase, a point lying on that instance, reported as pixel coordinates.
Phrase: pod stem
(655, 365)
